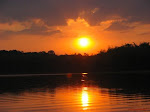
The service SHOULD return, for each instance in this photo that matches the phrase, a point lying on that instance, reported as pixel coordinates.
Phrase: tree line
(122, 58)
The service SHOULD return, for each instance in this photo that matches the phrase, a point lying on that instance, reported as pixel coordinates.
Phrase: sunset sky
(43, 25)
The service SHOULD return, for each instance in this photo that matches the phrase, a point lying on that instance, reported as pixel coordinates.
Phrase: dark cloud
(132, 10)
(33, 30)
(118, 26)
(145, 33)
(55, 12)
(38, 31)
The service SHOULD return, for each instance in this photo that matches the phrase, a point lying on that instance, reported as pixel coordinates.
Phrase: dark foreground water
(75, 93)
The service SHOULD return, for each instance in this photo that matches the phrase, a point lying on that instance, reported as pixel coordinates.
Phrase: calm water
(73, 93)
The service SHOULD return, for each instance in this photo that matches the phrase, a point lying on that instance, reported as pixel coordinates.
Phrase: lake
(75, 93)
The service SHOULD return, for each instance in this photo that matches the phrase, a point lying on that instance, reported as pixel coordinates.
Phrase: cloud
(32, 31)
(55, 12)
(38, 31)
(38, 17)
(145, 33)
(118, 26)
(30, 27)
(13, 26)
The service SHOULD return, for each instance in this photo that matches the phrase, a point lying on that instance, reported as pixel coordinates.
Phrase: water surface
(71, 93)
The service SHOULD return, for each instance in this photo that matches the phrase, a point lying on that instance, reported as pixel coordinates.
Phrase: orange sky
(65, 42)
(55, 25)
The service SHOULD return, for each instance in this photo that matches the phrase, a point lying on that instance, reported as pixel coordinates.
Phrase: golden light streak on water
(85, 98)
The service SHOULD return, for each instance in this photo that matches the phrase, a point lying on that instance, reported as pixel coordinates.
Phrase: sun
(84, 42)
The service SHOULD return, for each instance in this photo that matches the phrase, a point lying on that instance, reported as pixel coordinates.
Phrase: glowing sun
(84, 42)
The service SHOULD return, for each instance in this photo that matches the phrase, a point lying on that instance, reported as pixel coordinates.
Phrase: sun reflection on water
(85, 98)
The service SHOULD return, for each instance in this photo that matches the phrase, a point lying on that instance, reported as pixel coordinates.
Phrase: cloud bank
(55, 12)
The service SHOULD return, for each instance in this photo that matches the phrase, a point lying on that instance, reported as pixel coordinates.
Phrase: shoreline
(95, 73)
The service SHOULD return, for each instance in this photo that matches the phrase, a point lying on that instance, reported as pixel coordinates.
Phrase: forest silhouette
(127, 57)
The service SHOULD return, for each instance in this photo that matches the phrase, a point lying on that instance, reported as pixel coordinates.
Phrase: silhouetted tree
(125, 57)
(144, 45)
(51, 52)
